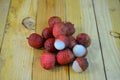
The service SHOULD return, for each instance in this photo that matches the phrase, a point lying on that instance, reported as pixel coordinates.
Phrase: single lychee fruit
(52, 20)
(79, 51)
(72, 42)
(84, 39)
(49, 45)
(47, 60)
(59, 29)
(61, 42)
(80, 64)
(65, 56)
(70, 28)
(47, 33)
(35, 40)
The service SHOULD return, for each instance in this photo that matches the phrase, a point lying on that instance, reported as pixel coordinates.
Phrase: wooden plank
(82, 15)
(46, 9)
(108, 17)
(4, 6)
(16, 55)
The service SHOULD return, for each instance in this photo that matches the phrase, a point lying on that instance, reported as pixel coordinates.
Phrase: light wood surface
(19, 61)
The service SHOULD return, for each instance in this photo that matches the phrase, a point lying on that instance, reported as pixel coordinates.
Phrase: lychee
(80, 64)
(47, 60)
(49, 45)
(79, 51)
(84, 39)
(47, 33)
(59, 29)
(61, 42)
(70, 28)
(65, 56)
(52, 20)
(72, 42)
(35, 40)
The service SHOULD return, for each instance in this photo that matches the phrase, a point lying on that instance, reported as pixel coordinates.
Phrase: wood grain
(46, 9)
(108, 21)
(82, 15)
(4, 7)
(16, 55)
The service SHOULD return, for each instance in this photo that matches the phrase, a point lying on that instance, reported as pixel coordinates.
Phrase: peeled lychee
(72, 42)
(47, 33)
(52, 20)
(35, 40)
(70, 28)
(80, 64)
(84, 39)
(79, 51)
(47, 60)
(65, 56)
(49, 45)
(61, 42)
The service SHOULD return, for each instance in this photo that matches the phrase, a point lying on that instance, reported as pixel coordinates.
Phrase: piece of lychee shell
(84, 39)
(49, 45)
(65, 57)
(35, 40)
(80, 64)
(52, 20)
(47, 33)
(47, 60)
(61, 42)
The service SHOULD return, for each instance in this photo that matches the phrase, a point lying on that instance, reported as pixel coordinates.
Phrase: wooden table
(19, 61)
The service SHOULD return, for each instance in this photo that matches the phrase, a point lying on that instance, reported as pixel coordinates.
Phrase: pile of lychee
(60, 46)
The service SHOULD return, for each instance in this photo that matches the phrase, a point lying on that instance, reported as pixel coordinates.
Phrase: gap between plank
(99, 40)
(5, 26)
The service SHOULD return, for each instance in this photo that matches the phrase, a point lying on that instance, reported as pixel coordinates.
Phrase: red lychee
(65, 56)
(49, 45)
(35, 40)
(70, 28)
(59, 29)
(52, 20)
(47, 33)
(47, 60)
(84, 39)
(72, 42)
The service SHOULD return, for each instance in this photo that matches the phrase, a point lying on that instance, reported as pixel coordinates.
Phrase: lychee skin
(70, 28)
(84, 39)
(47, 33)
(47, 60)
(35, 40)
(72, 42)
(52, 20)
(80, 64)
(59, 29)
(49, 45)
(65, 56)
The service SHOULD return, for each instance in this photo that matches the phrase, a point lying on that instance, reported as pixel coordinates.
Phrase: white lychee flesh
(59, 45)
(76, 67)
(79, 50)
